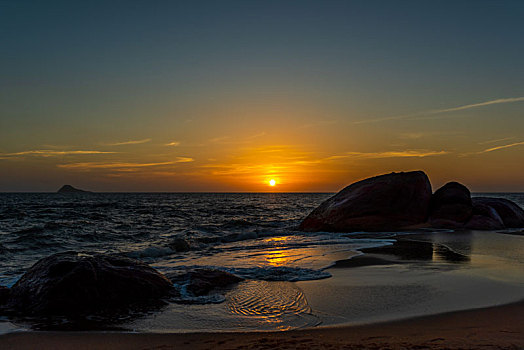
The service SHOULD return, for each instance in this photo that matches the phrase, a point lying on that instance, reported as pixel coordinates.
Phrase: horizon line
(87, 192)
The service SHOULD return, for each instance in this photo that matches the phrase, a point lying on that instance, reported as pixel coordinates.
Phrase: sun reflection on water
(277, 258)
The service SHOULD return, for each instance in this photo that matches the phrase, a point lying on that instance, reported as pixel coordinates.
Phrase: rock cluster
(399, 201)
(76, 285)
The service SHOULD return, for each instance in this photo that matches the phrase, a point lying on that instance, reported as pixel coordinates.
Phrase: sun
(272, 182)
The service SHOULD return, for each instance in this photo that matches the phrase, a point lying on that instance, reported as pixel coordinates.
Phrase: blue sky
(229, 80)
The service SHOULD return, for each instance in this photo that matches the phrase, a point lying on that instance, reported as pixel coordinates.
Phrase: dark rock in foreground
(387, 202)
(403, 200)
(450, 206)
(71, 189)
(72, 283)
(201, 281)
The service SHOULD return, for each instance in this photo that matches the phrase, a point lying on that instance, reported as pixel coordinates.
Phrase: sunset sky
(227, 95)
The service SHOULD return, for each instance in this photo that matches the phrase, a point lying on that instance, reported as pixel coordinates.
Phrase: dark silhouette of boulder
(72, 283)
(179, 245)
(71, 189)
(510, 213)
(484, 218)
(4, 295)
(386, 202)
(480, 222)
(450, 206)
(201, 281)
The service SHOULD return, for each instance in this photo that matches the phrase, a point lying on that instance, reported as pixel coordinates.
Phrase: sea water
(253, 235)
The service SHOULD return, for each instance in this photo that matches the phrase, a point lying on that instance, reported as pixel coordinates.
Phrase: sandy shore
(500, 327)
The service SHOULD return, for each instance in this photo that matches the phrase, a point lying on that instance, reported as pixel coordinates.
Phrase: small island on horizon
(71, 189)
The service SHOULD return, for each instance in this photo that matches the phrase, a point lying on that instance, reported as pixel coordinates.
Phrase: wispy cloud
(122, 166)
(52, 153)
(496, 140)
(397, 154)
(184, 160)
(481, 104)
(131, 142)
(502, 147)
(373, 155)
(174, 143)
(228, 140)
(220, 139)
(433, 113)
(254, 136)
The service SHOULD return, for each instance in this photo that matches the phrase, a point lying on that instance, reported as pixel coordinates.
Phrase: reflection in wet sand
(403, 251)
(443, 253)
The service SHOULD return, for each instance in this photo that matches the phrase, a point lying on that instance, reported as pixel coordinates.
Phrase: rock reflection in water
(405, 250)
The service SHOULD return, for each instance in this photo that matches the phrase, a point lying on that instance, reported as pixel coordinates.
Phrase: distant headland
(71, 189)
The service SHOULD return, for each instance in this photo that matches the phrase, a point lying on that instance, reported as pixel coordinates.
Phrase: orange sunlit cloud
(290, 167)
(95, 165)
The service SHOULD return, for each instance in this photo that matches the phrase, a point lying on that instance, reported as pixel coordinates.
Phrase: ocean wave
(266, 273)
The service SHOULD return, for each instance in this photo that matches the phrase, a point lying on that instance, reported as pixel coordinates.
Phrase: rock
(72, 283)
(202, 281)
(4, 295)
(71, 189)
(386, 202)
(480, 222)
(179, 245)
(484, 218)
(450, 206)
(510, 212)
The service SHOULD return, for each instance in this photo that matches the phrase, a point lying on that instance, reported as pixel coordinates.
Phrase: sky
(224, 96)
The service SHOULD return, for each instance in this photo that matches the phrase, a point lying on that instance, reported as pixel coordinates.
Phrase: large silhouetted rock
(450, 206)
(72, 283)
(510, 213)
(386, 202)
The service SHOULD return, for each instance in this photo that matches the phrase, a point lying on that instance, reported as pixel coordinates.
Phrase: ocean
(253, 235)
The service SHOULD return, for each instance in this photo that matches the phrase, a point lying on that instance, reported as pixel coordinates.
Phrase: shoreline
(496, 327)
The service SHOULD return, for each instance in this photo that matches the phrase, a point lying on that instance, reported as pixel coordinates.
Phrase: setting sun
(272, 182)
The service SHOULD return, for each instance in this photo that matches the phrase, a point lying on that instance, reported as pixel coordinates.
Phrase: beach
(498, 327)
(420, 288)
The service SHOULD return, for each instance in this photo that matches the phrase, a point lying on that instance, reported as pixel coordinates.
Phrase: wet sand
(500, 327)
